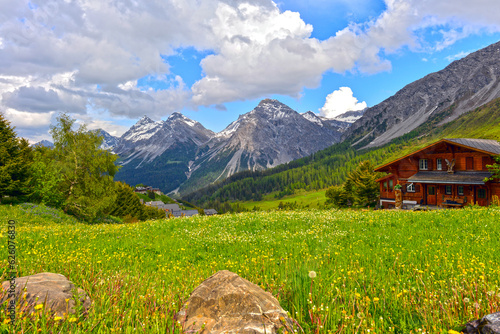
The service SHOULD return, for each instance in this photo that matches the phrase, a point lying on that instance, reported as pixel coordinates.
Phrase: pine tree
(15, 159)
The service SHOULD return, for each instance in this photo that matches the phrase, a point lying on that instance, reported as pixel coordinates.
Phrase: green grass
(377, 271)
(303, 199)
(164, 198)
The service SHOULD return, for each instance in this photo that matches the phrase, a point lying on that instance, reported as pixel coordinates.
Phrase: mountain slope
(331, 166)
(108, 141)
(159, 153)
(465, 84)
(269, 135)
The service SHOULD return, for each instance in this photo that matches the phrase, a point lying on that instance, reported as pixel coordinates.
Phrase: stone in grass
(53, 290)
(227, 303)
(489, 324)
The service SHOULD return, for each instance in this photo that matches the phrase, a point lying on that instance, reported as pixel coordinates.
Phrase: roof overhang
(466, 178)
(382, 168)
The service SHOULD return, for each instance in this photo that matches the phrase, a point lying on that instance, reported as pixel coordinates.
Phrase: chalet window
(448, 190)
(469, 163)
(439, 164)
(410, 187)
(481, 193)
(460, 190)
(423, 164)
(385, 186)
(485, 161)
(431, 190)
(391, 184)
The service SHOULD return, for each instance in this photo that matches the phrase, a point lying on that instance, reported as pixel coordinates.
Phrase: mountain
(108, 141)
(438, 98)
(331, 165)
(179, 154)
(160, 153)
(44, 143)
(269, 135)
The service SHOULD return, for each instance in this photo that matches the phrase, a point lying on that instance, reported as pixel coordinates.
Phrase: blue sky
(109, 63)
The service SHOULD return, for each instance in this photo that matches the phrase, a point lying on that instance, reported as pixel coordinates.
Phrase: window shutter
(404, 188)
(417, 188)
(429, 164)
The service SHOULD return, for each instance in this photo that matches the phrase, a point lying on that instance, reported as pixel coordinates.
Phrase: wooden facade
(450, 172)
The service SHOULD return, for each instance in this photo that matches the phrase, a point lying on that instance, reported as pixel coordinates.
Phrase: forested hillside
(332, 165)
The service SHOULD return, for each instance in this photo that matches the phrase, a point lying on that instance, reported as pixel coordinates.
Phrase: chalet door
(431, 194)
(482, 196)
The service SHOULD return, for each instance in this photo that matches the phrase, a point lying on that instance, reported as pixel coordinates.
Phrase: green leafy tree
(84, 171)
(46, 178)
(339, 196)
(494, 169)
(151, 195)
(15, 159)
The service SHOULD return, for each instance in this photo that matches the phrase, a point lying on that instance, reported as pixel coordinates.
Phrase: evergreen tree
(15, 159)
(360, 188)
(364, 184)
(128, 205)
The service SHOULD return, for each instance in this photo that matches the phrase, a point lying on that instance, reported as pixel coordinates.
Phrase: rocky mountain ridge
(442, 96)
(180, 149)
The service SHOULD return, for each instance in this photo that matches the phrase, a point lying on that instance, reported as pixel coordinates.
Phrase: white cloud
(108, 126)
(339, 102)
(459, 55)
(28, 120)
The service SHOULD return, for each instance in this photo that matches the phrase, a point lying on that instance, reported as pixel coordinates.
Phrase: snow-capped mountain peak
(312, 117)
(144, 129)
(177, 116)
(273, 109)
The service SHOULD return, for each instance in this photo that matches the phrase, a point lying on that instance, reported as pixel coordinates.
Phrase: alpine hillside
(159, 153)
(439, 97)
(179, 154)
(268, 136)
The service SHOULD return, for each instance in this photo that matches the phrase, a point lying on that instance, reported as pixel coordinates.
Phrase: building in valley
(450, 172)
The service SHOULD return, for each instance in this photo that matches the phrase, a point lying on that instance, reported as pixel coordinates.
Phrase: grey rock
(227, 303)
(53, 290)
(489, 324)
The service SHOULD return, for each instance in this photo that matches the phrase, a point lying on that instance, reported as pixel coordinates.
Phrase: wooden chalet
(450, 172)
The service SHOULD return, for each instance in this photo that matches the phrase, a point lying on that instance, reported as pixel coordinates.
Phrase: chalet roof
(483, 145)
(210, 211)
(486, 145)
(459, 177)
(173, 207)
(155, 203)
(187, 213)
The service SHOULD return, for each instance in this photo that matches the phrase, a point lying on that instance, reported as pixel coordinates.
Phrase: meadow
(300, 199)
(377, 271)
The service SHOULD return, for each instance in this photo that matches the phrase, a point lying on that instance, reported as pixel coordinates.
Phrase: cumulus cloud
(339, 102)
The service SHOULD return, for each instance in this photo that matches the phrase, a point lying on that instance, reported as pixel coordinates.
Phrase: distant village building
(210, 212)
(144, 190)
(185, 213)
(448, 173)
(174, 210)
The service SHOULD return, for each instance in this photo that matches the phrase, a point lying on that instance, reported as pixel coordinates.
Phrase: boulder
(227, 303)
(55, 291)
(489, 324)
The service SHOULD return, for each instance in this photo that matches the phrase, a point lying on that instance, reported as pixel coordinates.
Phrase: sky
(107, 63)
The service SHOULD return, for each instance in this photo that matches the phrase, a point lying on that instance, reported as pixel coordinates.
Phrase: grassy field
(303, 199)
(377, 271)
